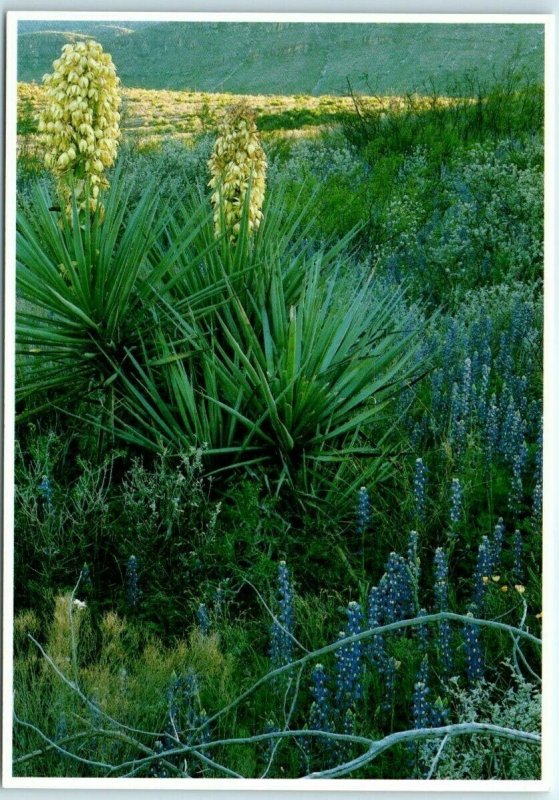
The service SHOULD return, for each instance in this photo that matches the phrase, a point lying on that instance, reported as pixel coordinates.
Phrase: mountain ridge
(289, 58)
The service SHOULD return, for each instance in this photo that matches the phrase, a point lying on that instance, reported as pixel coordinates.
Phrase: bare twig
(459, 729)
(274, 618)
(435, 762)
(382, 629)
(288, 717)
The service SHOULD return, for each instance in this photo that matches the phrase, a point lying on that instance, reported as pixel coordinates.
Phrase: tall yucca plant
(87, 288)
(291, 381)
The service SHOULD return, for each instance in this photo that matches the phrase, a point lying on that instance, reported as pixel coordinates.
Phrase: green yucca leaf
(89, 287)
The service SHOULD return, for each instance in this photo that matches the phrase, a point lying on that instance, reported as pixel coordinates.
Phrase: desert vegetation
(279, 431)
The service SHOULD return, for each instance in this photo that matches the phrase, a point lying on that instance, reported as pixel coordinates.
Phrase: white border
(550, 397)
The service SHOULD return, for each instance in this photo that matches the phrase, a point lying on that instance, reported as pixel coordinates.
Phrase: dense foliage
(239, 459)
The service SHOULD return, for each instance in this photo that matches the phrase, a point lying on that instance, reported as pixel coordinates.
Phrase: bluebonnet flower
(203, 619)
(419, 484)
(441, 579)
(344, 749)
(457, 422)
(504, 362)
(516, 491)
(397, 587)
(519, 390)
(423, 631)
(474, 655)
(45, 493)
(349, 662)
(513, 432)
(441, 598)
(537, 502)
(182, 698)
(517, 562)
(389, 675)
(455, 502)
(281, 646)
(419, 432)
(521, 318)
(445, 647)
(363, 511)
(421, 707)
(320, 718)
(497, 544)
(484, 568)
(132, 583)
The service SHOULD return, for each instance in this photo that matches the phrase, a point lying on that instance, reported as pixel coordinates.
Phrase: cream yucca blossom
(238, 163)
(80, 122)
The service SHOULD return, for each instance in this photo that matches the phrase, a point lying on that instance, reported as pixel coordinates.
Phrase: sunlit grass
(151, 116)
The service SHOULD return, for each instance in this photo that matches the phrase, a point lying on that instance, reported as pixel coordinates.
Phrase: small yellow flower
(496, 578)
(519, 588)
(485, 579)
(504, 588)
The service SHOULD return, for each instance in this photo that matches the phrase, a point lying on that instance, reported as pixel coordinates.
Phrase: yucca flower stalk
(238, 173)
(80, 122)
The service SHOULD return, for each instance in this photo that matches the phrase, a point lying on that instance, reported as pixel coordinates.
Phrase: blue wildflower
(474, 654)
(497, 544)
(517, 556)
(455, 502)
(349, 662)
(321, 713)
(281, 646)
(441, 579)
(363, 521)
(419, 484)
(397, 587)
(421, 707)
(484, 568)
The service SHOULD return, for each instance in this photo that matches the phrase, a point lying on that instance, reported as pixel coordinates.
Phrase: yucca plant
(88, 288)
(288, 375)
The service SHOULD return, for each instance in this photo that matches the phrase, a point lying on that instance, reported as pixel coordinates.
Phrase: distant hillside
(289, 58)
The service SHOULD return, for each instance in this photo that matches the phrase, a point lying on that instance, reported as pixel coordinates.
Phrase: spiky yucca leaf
(88, 292)
(295, 383)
